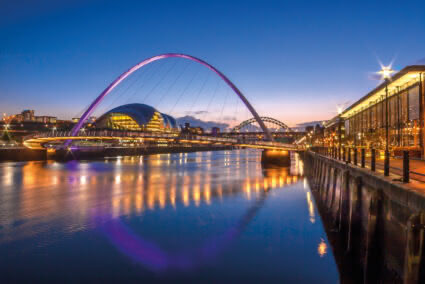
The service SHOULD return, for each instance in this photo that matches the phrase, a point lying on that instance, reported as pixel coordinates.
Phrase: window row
(403, 111)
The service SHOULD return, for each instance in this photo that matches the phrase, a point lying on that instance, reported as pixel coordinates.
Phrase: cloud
(200, 123)
(229, 118)
(420, 61)
(196, 112)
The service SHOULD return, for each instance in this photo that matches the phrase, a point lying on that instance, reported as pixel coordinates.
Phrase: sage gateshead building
(136, 117)
(364, 123)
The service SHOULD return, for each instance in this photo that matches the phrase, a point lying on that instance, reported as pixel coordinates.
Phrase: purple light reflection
(151, 256)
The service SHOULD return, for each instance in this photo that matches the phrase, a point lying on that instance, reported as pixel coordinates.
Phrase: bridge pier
(280, 158)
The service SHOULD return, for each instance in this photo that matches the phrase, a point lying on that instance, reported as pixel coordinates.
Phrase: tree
(6, 136)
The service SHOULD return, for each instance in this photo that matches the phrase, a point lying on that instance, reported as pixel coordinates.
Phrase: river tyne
(215, 217)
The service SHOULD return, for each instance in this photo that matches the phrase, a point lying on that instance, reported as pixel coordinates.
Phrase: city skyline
(58, 57)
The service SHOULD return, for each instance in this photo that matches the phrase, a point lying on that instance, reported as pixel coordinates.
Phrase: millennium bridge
(80, 137)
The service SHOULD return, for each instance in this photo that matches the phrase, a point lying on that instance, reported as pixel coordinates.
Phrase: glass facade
(366, 127)
(137, 117)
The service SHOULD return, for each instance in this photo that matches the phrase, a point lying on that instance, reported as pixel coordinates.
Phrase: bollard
(373, 160)
(355, 157)
(406, 166)
(343, 154)
(349, 155)
(363, 153)
(387, 163)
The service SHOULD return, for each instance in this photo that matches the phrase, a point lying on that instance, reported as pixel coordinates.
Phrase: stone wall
(375, 225)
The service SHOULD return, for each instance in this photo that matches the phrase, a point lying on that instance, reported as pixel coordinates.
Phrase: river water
(217, 217)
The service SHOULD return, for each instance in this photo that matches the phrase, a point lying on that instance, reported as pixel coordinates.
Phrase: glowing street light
(386, 72)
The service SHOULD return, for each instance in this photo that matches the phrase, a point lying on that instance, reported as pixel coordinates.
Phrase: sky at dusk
(294, 60)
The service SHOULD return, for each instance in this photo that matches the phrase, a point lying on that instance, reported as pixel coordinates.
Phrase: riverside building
(364, 122)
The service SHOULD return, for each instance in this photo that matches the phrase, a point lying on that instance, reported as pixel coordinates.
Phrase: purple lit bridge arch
(147, 61)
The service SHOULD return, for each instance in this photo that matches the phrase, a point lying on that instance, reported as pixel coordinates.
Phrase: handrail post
(343, 154)
(363, 153)
(373, 160)
(355, 157)
(406, 166)
(349, 155)
(387, 163)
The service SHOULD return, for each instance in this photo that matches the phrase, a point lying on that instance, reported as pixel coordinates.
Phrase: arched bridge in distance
(249, 130)
(78, 133)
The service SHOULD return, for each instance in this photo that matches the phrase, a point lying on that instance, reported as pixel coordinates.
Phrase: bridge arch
(147, 61)
(263, 119)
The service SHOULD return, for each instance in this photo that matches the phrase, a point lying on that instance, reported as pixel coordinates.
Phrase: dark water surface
(216, 217)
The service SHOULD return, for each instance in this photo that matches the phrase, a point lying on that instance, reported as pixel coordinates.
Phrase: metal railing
(350, 155)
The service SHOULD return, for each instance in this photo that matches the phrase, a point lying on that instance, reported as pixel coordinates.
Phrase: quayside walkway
(416, 167)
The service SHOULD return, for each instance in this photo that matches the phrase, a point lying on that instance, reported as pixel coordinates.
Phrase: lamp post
(386, 72)
(340, 121)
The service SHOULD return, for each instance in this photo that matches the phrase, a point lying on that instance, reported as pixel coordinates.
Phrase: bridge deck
(40, 140)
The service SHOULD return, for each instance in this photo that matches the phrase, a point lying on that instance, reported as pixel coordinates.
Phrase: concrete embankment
(20, 154)
(376, 226)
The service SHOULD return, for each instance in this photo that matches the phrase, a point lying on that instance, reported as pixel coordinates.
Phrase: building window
(379, 115)
(414, 103)
(413, 125)
(347, 127)
(404, 107)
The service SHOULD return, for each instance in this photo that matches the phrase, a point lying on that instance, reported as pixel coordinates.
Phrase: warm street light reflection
(310, 208)
(151, 187)
(322, 248)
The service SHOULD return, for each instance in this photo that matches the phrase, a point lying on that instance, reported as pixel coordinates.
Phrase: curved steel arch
(263, 119)
(139, 65)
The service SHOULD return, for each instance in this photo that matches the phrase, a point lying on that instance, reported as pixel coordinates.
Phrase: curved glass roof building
(137, 117)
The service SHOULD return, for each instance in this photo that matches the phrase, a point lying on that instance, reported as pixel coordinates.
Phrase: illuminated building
(28, 115)
(91, 119)
(192, 130)
(365, 120)
(137, 117)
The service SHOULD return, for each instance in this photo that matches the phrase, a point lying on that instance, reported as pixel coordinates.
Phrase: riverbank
(374, 223)
(21, 154)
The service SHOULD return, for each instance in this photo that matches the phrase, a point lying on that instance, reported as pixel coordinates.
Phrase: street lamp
(385, 73)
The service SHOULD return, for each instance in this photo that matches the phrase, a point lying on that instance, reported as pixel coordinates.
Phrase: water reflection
(177, 211)
(138, 184)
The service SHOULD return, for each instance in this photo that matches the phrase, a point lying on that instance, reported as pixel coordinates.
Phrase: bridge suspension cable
(147, 61)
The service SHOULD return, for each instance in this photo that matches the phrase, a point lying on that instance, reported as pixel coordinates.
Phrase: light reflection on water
(165, 212)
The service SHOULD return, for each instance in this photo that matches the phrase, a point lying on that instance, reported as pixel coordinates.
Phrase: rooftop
(405, 78)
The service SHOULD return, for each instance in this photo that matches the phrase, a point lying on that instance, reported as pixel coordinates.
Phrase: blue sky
(294, 60)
